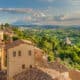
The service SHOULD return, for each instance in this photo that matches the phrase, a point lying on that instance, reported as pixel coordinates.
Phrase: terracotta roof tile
(58, 67)
(16, 43)
(33, 74)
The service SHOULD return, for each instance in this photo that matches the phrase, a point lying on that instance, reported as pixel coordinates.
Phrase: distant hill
(23, 24)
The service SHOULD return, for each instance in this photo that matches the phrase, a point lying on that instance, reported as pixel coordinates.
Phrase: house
(38, 54)
(1, 35)
(20, 56)
(16, 56)
(62, 69)
(6, 36)
(67, 41)
(9, 35)
(40, 57)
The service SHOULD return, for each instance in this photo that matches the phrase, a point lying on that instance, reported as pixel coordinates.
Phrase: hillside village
(22, 60)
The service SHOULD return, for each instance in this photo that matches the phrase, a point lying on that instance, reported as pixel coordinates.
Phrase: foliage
(52, 42)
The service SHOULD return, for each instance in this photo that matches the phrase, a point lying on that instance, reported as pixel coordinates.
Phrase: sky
(41, 12)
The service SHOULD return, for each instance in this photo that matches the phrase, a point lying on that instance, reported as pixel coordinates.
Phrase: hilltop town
(21, 59)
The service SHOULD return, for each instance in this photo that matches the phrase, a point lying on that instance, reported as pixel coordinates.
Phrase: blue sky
(54, 12)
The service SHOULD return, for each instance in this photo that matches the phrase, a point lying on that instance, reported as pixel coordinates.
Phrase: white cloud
(74, 16)
(38, 16)
(48, 0)
(17, 10)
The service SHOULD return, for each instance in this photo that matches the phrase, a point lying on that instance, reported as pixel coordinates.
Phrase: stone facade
(1, 35)
(19, 58)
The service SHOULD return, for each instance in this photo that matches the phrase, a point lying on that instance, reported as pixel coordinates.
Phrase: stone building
(17, 56)
(38, 54)
(67, 41)
(3, 43)
(1, 35)
(20, 56)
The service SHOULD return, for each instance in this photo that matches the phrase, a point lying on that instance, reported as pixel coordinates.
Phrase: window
(30, 66)
(29, 52)
(23, 66)
(14, 53)
(19, 53)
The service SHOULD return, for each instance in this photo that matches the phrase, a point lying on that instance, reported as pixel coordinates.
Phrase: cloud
(16, 10)
(70, 17)
(48, 0)
(75, 2)
(39, 16)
